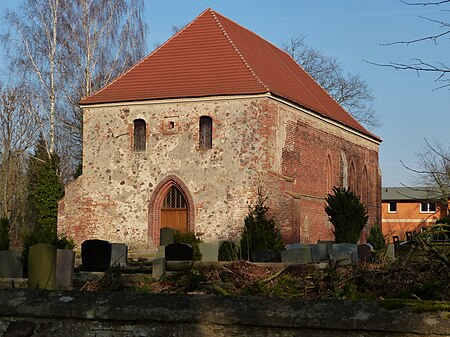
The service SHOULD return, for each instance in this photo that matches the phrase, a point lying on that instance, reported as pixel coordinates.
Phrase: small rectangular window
(427, 207)
(205, 132)
(392, 207)
(139, 143)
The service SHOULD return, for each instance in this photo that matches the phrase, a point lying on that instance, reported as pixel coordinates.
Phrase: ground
(418, 281)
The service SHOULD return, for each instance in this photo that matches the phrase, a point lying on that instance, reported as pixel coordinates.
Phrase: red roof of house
(215, 56)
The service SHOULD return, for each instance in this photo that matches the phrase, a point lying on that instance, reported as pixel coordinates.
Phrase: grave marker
(179, 252)
(95, 255)
(42, 266)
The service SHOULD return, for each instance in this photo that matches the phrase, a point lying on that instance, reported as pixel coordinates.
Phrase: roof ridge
(236, 49)
(146, 57)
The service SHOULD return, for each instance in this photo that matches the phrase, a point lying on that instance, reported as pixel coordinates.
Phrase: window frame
(429, 207)
(390, 208)
(139, 135)
(205, 132)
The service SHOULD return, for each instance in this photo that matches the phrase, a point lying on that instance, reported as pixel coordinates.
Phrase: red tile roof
(216, 56)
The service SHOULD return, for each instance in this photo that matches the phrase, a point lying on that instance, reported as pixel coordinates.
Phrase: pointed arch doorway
(171, 205)
(174, 210)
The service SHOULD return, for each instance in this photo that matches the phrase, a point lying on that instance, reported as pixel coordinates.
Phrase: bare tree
(67, 49)
(35, 54)
(17, 132)
(349, 90)
(434, 170)
(102, 39)
(418, 65)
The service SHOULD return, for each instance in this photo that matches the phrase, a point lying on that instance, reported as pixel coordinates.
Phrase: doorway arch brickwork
(156, 201)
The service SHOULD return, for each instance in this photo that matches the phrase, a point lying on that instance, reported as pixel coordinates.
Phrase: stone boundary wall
(70, 314)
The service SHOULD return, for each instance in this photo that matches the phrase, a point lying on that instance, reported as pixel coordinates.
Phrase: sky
(410, 107)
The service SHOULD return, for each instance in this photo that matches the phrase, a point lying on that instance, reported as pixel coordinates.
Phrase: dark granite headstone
(396, 241)
(95, 255)
(179, 252)
(364, 253)
(265, 255)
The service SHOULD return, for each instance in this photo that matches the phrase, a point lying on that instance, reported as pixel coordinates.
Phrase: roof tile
(216, 56)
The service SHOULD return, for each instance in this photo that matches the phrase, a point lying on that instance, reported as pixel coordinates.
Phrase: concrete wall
(77, 314)
(295, 155)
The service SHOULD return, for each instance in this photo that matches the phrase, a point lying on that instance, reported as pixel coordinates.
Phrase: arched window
(205, 132)
(365, 187)
(329, 176)
(352, 178)
(140, 127)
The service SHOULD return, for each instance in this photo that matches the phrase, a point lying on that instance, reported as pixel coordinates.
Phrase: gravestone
(364, 253)
(301, 255)
(340, 249)
(319, 251)
(65, 263)
(265, 255)
(396, 241)
(42, 266)
(293, 245)
(209, 251)
(179, 252)
(161, 252)
(166, 236)
(95, 255)
(158, 268)
(119, 254)
(10, 264)
(328, 244)
(390, 252)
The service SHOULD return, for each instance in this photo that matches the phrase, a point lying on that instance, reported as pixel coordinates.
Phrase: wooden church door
(174, 210)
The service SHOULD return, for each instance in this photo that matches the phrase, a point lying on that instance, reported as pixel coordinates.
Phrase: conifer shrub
(376, 238)
(229, 251)
(260, 231)
(347, 214)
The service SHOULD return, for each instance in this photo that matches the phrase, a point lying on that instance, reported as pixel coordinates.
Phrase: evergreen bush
(347, 214)
(229, 251)
(376, 238)
(260, 231)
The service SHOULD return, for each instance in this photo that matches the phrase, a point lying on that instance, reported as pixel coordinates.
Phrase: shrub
(347, 214)
(229, 251)
(190, 239)
(4, 234)
(260, 231)
(376, 238)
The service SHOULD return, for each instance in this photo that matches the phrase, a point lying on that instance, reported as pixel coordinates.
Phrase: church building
(187, 136)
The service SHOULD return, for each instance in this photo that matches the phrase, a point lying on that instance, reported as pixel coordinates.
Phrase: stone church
(185, 138)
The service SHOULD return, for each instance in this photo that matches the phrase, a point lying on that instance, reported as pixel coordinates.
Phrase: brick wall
(258, 140)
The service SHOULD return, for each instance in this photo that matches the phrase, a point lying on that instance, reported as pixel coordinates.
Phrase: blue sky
(408, 106)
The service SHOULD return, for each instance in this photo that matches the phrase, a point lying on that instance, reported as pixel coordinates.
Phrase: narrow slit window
(205, 134)
(139, 135)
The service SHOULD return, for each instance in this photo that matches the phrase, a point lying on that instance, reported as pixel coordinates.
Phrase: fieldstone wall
(295, 155)
(77, 314)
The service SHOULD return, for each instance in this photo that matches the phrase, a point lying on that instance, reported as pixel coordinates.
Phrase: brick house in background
(184, 138)
(408, 209)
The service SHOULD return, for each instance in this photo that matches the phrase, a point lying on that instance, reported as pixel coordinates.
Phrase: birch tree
(34, 53)
(103, 39)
